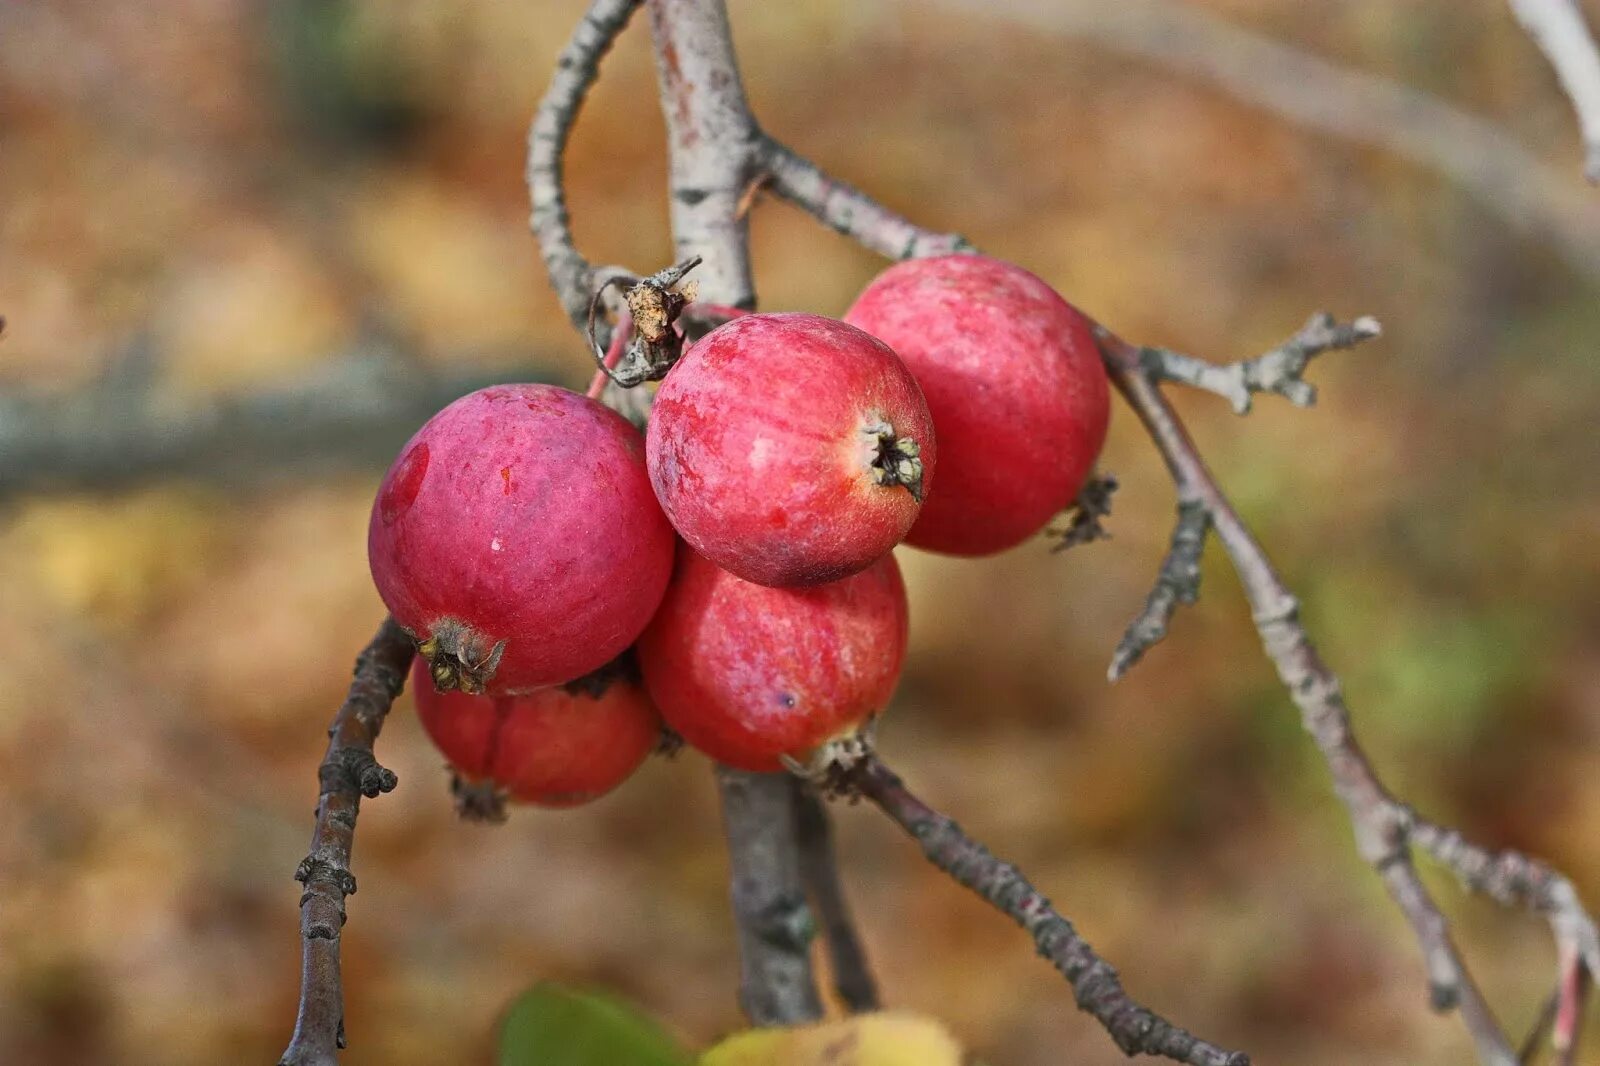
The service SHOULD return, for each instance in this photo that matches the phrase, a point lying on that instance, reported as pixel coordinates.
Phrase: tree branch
(712, 145)
(1557, 27)
(769, 901)
(348, 772)
(1095, 984)
(1280, 370)
(1178, 582)
(844, 209)
(1380, 828)
(852, 976)
(1384, 828)
(352, 412)
(1504, 178)
(571, 275)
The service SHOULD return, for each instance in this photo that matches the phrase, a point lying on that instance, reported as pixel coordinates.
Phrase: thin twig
(1497, 170)
(1280, 370)
(852, 975)
(1095, 984)
(348, 772)
(845, 210)
(1558, 28)
(1177, 582)
(1384, 828)
(576, 68)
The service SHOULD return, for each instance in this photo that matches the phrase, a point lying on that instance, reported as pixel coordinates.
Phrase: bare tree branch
(1558, 28)
(1507, 180)
(712, 142)
(1178, 582)
(852, 976)
(1381, 831)
(352, 412)
(576, 68)
(1385, 829)
(769, 901)
(842, 208)
(1280, 370)
(347, 773)
(1095, 984)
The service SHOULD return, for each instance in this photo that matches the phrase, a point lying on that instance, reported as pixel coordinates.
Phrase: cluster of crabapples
(574, 585)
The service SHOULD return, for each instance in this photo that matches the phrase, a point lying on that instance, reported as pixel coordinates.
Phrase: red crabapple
(790, 449)
(553, 747)
(750, 674)
(1014, 381)
(518, 539)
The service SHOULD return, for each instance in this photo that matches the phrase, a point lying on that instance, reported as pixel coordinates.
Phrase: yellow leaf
(893, 1038)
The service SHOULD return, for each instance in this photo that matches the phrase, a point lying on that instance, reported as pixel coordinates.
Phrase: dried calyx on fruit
(518, 539)
(790, 449)
(898, 460)
(766, 678)
(1013, 379)
(654, 304)
(552, 747)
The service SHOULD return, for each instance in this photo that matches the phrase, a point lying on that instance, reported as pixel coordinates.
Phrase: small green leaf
(550, 1025)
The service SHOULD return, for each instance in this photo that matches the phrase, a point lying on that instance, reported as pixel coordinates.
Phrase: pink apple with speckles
(518, 539)
(1018, 393)
(747, 673)
(790, 449)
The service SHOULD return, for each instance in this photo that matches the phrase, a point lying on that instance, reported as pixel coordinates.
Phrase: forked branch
(1385, 829)
(1281, 370)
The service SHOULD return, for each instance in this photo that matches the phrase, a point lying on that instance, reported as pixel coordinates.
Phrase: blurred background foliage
(208, 198)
